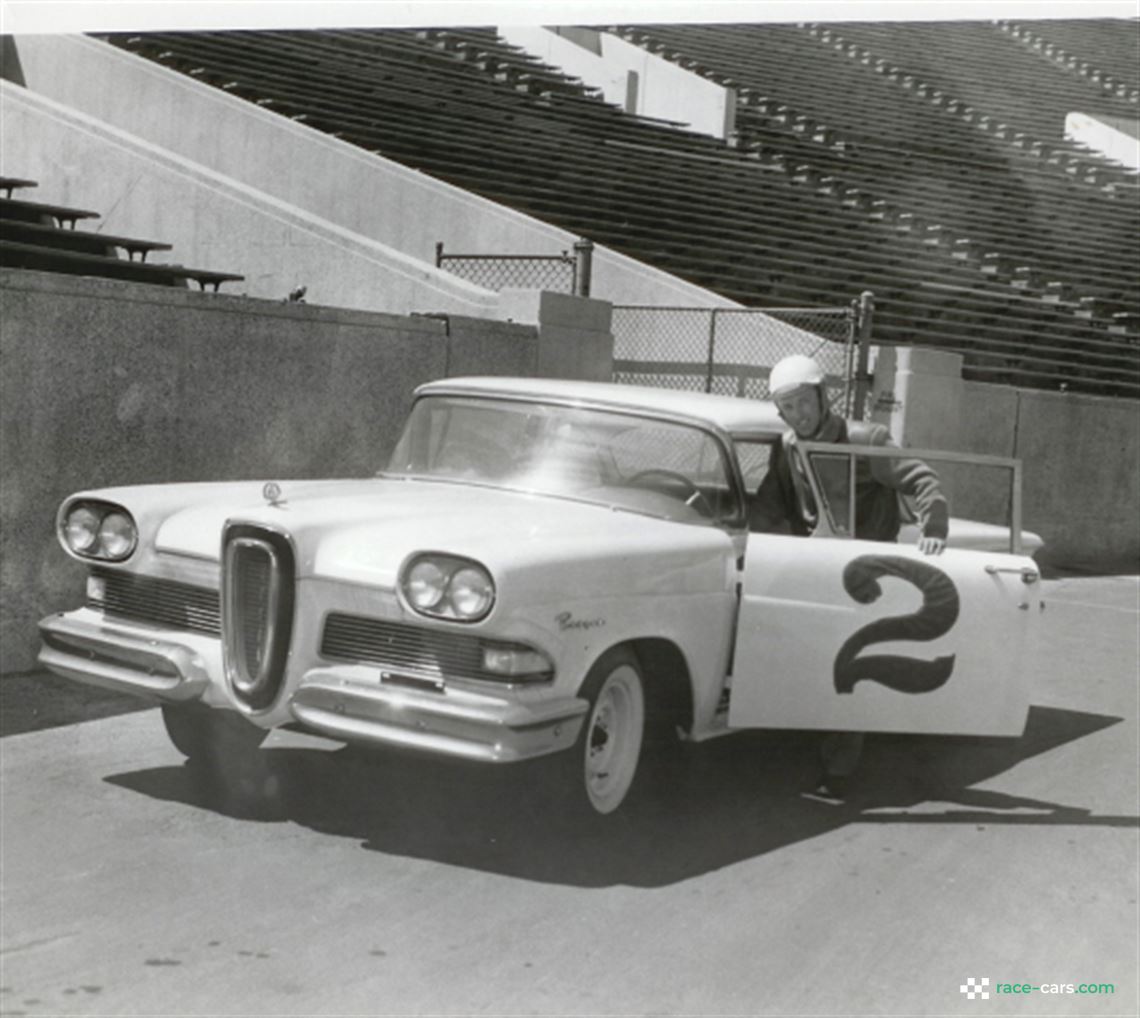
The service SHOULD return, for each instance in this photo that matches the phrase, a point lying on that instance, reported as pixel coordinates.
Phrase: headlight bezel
(449, 566)
(100, 511)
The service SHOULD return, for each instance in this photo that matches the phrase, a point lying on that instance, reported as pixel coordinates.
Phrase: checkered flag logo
(975, 988)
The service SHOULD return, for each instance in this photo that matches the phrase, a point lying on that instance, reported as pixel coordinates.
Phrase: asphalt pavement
(338, 883)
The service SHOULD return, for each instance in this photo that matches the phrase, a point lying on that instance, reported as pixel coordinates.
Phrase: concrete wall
(1080, 455)
(1081, 461)
(105, 383)
(331, 180)
(576, 341)
(1113, 137)
(214, 221)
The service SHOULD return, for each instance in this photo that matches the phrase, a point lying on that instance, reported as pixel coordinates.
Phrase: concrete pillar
(574, 337)
(918, 394)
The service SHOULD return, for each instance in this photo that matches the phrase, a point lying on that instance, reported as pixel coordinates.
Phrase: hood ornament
(272, 493)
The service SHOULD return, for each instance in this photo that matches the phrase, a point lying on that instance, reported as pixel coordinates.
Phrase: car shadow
(724, 801)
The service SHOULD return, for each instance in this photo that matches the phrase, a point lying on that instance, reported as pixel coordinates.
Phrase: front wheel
(599, 772)
(205, 735)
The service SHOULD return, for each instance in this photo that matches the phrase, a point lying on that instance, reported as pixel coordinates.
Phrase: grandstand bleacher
(926, 163)
(43, 236)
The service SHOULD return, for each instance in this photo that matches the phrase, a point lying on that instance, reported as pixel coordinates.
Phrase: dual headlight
(99, 530)
(459, 589)
(447, 587)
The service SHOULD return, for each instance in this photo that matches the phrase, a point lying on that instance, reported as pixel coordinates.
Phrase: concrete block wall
(576, 338)
(1080, 455)
(105, 382)
(1082, 477)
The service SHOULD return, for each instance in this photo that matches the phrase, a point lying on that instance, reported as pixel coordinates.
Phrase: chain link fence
(731, 350)
(560, 273)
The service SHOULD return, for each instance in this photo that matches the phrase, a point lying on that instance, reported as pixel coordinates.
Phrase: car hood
(362, 531)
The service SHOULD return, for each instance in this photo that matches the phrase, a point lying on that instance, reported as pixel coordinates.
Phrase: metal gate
(732, 350)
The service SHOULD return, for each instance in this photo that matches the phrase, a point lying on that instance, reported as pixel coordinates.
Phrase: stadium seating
(925, 163)
(33, 236)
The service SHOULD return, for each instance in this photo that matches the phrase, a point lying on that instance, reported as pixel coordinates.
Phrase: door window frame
(834, 529)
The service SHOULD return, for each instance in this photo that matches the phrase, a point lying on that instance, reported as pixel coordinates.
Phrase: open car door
(851, 635)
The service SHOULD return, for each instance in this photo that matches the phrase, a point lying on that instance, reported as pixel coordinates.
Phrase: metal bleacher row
(1111, 46)
(44, 236)
(862, 162)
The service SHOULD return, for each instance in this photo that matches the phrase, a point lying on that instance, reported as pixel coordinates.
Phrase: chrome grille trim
(252, 587)
(257, 612)
(399, 646)
(165, 603)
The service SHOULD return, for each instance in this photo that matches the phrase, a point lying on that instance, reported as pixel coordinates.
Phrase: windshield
(656, 467)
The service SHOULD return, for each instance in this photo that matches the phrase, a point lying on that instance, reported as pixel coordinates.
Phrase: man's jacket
(879, 482)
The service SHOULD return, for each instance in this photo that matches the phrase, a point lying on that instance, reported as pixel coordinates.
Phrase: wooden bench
(79, 240)
(10, 184)
(36, 212)
(50, 259)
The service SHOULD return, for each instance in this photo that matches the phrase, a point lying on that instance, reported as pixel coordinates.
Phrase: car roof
(735, 415)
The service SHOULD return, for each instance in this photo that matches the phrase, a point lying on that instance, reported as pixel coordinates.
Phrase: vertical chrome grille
(257, 612)
(252, 570)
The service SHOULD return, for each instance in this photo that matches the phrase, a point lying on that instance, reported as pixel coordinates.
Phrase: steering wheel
(695, 497)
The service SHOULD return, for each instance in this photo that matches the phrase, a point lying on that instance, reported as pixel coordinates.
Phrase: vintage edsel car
(544, 569)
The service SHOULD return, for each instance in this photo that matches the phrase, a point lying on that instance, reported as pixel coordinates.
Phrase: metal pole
(849, 358)
(851, 521)
(583, 264)
(1015, 509)
(863, 321)
(712, 351)
(438, 253)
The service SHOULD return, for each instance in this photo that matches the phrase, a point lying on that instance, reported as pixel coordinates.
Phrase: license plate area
(417, 682)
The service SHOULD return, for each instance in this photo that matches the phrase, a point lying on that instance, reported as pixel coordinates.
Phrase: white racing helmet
(792, 373)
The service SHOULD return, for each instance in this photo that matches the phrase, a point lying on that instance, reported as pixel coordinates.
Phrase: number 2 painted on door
(935, 618)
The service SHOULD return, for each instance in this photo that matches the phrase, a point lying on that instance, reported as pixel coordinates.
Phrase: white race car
(543, 569)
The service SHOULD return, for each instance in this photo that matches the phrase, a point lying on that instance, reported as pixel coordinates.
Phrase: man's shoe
(832, 788)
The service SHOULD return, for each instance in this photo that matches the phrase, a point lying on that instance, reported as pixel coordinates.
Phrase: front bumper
(81, 646)
(345, 702)
(349, 702)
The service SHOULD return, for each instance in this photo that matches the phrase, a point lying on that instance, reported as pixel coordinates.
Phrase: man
(796, 385)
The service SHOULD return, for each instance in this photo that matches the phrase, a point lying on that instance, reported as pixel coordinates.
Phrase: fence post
(583, 265)
(438, 253)
(712, 351)
(863, 321)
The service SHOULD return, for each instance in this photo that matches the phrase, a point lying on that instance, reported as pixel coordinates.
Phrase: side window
(754, 459)
(755, 462)
(834, 475)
